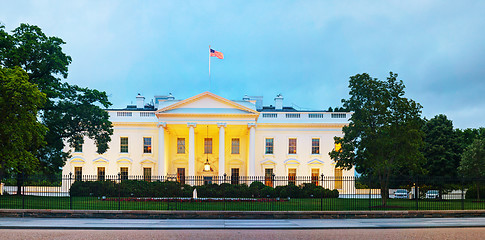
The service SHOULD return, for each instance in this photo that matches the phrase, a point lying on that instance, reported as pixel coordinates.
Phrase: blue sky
(305, 50)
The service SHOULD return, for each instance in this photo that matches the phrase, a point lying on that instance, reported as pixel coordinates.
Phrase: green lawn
(306, 204)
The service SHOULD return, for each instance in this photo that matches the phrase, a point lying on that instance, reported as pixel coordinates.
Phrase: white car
(401, 193)
(432, 194)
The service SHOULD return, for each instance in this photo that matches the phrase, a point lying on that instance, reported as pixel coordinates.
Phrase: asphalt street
(238, 234)
(147, 224)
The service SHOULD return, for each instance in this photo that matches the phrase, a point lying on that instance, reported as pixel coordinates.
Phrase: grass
(305, 204)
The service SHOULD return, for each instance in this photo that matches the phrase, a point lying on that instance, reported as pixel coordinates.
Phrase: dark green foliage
(96, 189)
(472, 164)
(384, 134)
(441, 148)
(472, 193)
(130, 188)
(133, 188)
(70, 112)
(21, 134)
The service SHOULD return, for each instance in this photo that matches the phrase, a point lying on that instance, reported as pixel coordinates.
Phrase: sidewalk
(153, 224)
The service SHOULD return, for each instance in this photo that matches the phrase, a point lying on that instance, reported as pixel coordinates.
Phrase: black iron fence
(240, 193)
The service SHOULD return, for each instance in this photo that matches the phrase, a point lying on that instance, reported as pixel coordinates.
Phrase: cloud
(306, 50)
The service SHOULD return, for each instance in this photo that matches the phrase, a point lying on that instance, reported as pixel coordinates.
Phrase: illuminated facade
(236, 138)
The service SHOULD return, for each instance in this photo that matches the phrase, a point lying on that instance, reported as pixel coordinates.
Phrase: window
(101, 173)
(147, 174)
(181, 175)
(78, 173)
(339, 115)
(123, 114)
(338, 178)
(78, 146)
(315, 172)
(315, 115)
(315, 145)
(124, 144)
(269, 145)
(292, 146)
(181, 145)
(338, 146)
(124, 173)
(291, 176)
(234, 175)
(292, 115)
(147, 145)
(207, 180)
(235, 146)
(268, 177)
(207, 145)
(270, 115)
(147, 114)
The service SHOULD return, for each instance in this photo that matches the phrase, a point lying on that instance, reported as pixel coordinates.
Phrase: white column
(161, 149)
(222, 149)
(191, 148)
(252, 153)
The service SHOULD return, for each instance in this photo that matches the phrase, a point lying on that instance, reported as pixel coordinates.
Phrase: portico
(206, 129)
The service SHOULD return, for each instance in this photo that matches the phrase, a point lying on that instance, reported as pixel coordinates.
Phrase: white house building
(208, 135)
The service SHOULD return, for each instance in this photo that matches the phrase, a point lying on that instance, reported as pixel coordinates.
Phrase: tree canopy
(384, 134)
(441, 147)
(70, 112)
(21, 134)
(472, 164)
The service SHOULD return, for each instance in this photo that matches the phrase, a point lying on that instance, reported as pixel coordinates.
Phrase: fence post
(224, 191)
(370, 189)
(321, 196)
(462, 194)
(70, 184)
(119, 191)
(22, 189)
(416, 193)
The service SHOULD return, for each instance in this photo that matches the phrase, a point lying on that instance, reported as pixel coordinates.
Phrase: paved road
(147, 224)
(239, 234)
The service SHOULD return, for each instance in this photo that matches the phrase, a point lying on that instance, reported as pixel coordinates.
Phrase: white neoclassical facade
(208, 135)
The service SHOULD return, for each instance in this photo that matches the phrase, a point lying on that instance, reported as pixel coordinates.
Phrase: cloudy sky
(305, 50)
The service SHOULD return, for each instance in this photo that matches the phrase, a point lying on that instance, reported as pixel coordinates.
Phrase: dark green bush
(471, 193)
(134, 188)
(96, 189)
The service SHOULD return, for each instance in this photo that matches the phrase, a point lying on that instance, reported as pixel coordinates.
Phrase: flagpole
(209, 67)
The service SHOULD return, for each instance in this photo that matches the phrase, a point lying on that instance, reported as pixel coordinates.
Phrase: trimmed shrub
(471, 193)
(140, 188)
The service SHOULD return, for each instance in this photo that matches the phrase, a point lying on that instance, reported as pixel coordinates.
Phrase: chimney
(278, 102)
(140, 101)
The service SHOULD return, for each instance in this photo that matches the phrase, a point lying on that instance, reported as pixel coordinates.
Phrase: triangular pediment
(207, 102)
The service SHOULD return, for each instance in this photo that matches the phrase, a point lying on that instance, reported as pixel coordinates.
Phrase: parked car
(432, 194)
(401, 193)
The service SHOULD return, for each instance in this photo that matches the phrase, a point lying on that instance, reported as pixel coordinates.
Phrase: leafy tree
(384, 133)
(467, 136)
(70, 112)
(21, 134)
(441, 149)
(472, 163)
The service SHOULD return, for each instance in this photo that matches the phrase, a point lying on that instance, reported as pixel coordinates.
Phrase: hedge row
(471, 193)
(132, 188)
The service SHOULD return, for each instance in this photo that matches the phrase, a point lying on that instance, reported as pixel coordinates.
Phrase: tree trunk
(384, 189)
(478, 190)
(20, 181)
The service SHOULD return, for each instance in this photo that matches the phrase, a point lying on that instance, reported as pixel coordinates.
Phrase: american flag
(217, 54)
